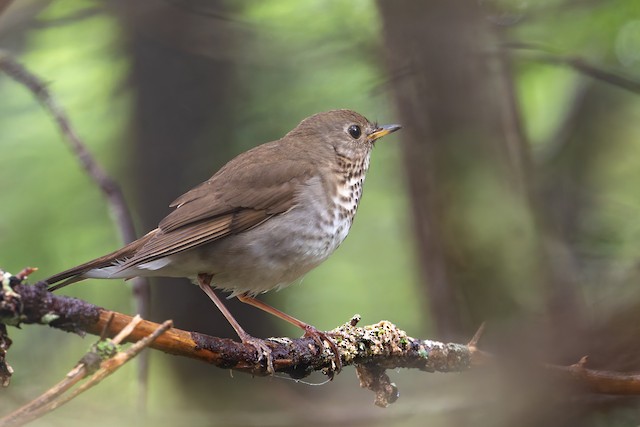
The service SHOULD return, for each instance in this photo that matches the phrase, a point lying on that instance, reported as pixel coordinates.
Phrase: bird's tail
(100, 267)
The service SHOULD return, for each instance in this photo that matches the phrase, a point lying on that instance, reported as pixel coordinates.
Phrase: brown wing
(193, 235)
(253, 180)
(249, 190)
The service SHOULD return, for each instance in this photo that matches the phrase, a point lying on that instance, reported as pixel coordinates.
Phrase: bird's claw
(320, 338)
(264, 352)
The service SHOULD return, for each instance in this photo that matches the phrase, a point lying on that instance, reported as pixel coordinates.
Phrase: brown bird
(262, 221)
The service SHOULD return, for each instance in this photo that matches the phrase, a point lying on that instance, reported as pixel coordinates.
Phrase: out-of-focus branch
(581, 65)
(4, 4)
(597, 381)
(108, 186)
(90, 364)
(110, 189)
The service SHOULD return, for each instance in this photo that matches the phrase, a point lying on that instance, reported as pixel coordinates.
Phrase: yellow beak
(382, 131)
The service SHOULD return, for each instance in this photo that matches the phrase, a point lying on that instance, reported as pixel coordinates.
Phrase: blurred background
(511, 195)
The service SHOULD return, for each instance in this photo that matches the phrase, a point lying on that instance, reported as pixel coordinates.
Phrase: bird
(260, 223)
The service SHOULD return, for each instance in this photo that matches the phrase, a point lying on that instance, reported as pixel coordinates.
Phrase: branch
(580, 65)
(373, 348)
(601, 382)
(107, 185)
(89, 364)
(110, 189)
(4, 4)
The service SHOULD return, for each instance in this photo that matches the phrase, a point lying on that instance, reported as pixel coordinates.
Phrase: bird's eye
(354, 131)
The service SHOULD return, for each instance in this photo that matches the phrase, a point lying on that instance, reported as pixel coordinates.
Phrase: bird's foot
(320, 338)
(264, 352)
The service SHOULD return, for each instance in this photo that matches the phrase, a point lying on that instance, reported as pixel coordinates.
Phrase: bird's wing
(216, 208)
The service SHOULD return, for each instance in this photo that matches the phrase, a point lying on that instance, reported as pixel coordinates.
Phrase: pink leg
(309, 330)
(204, 281)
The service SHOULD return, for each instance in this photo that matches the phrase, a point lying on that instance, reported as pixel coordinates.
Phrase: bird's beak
(382, 131)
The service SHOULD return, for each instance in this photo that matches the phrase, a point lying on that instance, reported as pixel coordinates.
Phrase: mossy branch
(372, 348)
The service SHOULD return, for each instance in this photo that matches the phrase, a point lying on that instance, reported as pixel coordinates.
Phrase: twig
(79, 372)
(111, 190)
(55, 396)
(110, 365)
(478, 357)
(598, 381)
(580, 65)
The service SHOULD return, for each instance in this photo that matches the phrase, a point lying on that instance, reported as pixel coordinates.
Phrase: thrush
(261, 222)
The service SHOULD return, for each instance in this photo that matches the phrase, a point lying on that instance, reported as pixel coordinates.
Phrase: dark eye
(354, 131)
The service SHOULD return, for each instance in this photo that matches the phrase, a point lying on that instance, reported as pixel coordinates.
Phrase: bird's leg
(309, 331)
(204, 281)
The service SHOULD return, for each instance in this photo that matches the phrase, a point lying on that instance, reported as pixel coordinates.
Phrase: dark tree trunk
(461, 137)
(182, 130)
